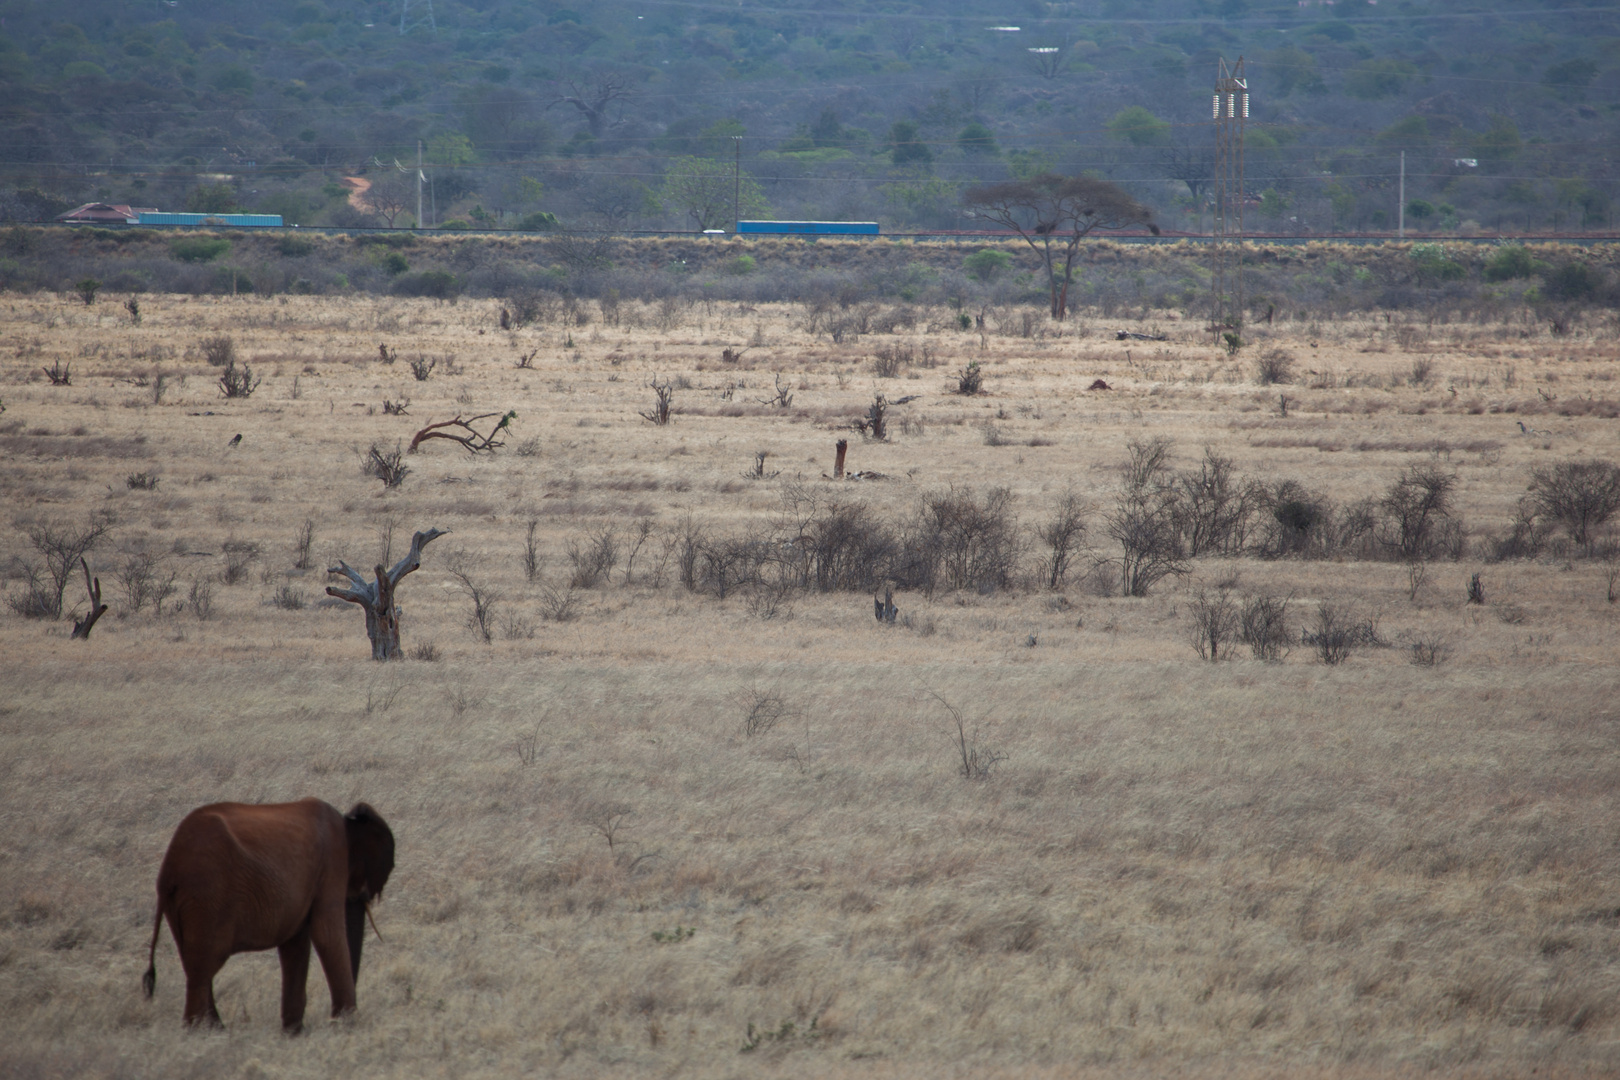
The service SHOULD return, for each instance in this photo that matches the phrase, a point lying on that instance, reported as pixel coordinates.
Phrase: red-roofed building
(97, 213)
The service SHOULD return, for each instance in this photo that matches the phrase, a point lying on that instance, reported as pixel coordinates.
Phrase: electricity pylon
(1231, 110)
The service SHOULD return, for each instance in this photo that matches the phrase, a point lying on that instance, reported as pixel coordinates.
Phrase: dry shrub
(61, 544)
(1579, 495)
(218, 350)
(238, 382)
(1062, 534)
(145, 580)
(1214, 621)
(239, 556)
(1146, 519)
(1339, 630)
(593, 558)
(1275, 366)
(1263, 627)
(1430, 650)
(288, 598)
(1416, 509)
(481, 619)
(967, 543)
(762, 710)
(387, 465)
(1217, 507)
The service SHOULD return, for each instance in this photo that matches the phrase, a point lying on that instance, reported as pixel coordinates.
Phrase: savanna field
(671, 801)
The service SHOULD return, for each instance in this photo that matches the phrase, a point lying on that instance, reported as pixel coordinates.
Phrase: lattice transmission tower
(1231, 111)
(422, 18)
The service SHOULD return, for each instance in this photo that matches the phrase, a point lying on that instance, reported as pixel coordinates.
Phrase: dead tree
(377, 598)
(876, 423)
(470, 439)
(81, 627)
(664, 405)
(840, 448)
(592, 95)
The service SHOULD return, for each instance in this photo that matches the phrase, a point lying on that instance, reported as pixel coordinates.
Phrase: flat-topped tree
(1053, 214)
(377, 598)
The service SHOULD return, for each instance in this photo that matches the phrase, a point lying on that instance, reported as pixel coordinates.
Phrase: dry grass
(1273, 869)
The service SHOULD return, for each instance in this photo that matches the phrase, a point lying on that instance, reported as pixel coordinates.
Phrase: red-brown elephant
(239, 877)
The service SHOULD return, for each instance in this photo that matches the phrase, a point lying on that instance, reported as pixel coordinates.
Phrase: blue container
(261, 221)
(810, 228)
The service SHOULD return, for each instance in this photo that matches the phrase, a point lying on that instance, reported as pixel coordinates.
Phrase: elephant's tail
(149, 980)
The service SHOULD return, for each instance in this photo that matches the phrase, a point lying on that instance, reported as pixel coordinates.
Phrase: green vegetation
(1138, 126)
(1512, 261)
(549, 119)
(199, 249)
(988, 264)
(1432, 263)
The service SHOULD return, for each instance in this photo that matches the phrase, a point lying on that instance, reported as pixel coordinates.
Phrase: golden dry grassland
(1242, 868)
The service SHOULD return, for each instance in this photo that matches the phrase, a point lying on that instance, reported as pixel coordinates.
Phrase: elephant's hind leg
(200, 965)
(201, 1011)
(294, 980)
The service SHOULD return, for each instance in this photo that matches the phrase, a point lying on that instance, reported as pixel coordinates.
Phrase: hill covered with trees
(634, 114)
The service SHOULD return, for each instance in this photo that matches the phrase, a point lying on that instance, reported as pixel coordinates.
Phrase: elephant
(239, 878)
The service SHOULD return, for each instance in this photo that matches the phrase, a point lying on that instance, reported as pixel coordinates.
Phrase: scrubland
(647, 828)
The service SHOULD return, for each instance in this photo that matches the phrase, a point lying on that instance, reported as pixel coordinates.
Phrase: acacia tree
(390, 195)
(1053, 214)
(707, 192)
(615, 199)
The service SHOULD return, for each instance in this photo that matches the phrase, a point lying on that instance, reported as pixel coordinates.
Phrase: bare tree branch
(472, 441)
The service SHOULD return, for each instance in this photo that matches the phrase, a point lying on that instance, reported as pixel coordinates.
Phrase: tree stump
(81, 627)
(377, 598)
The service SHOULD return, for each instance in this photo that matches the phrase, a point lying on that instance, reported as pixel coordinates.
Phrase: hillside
(623, 114)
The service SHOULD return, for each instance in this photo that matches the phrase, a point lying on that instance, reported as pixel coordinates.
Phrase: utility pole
(418, 183)
(736, 184)
(1400, 214)
(1231, 111)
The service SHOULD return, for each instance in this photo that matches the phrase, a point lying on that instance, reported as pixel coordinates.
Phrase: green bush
(199, 249)
(976, 140)
(1572, 281)
(294, 246)
(455, 225)
(986, 265)
(742, 264)
(1434, 264)
(440, 284)
(394, 263)
(1512, 261)
(539, 221)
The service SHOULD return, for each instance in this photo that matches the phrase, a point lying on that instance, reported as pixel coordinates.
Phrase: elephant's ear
(371, 851)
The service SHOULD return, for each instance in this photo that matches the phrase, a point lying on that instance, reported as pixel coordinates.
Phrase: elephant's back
(250, 865)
